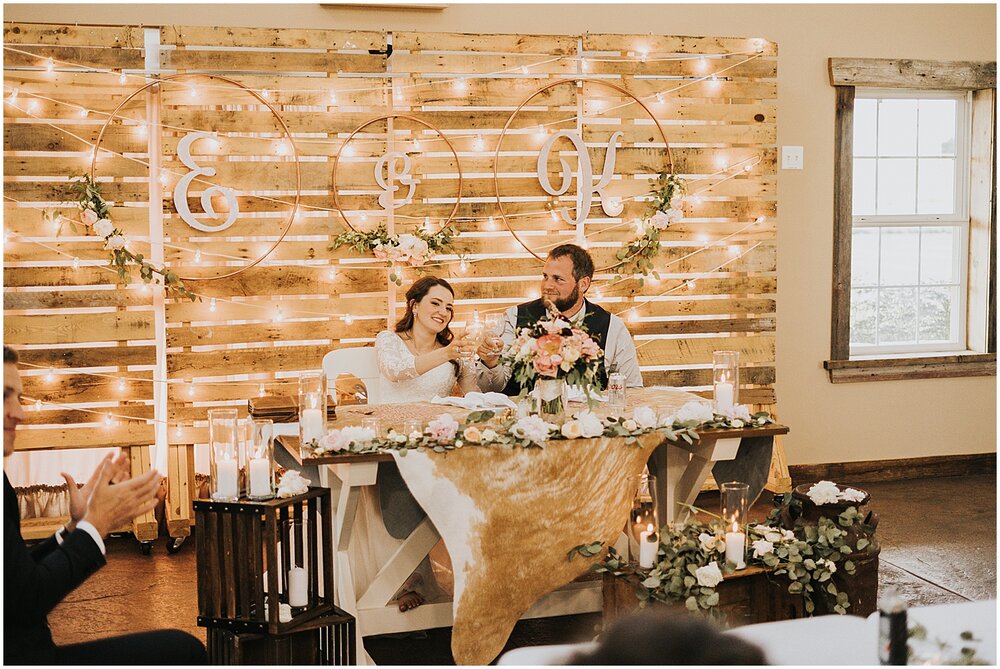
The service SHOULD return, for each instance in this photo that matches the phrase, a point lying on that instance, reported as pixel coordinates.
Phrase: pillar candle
(724, 395)
(227, 479)
(298, 594)
(260, 477)
(648, 545)
(312, 424)
(735, 544)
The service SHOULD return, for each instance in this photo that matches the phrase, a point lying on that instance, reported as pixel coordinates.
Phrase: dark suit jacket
(37, 579)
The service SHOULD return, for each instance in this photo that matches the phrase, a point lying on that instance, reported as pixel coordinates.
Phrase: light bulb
(197, 256)
(347, 151)
(397, 95)
(122, 386)
(747, 167)
(191, 389)
(83, 113)
(659, 98)
(123, 79)
(721, 163)
(348, 319)
(540, 131)
(38, 405)
(478, 144)
(33, 106)
(260, 390)
(332, 274)
(193, 92)
(51, 376)
(363, 216)
(598, 295)
(283, 148)
(695, 199)
(703, 239)
(145, 289)
(713, 78)
(107, 419)
(759, 219)
(211, 305)
(690, 284)
(583, 243)
(555, 215)
(265, 93)
(632, 317)
(163, 178)
(491, 223)
(584, 64)
(533, 294)
(416, 144)
(524, 69)
(758, 44)
(427, 222)
(50, 65)
(333, 97)
(460, 85)
(278, 315)
(178, 431)
(13, 95)
(463, 266)
(643, 55)
(140, 130)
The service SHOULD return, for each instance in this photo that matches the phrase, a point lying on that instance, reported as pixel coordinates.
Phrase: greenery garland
(414, 249)
(95, 217)
(637, 256)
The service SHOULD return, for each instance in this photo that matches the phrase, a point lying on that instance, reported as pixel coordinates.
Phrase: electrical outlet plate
(792, 157)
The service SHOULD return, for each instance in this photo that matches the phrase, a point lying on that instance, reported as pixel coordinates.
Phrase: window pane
(897, 128)
(864, 257)
(897, 315)
(936, 308)
(937, 127)
(864, 187)
(938, 260)
(936, 186)
(897, 186)
(898, 256)
(863, 304)
(865, 124)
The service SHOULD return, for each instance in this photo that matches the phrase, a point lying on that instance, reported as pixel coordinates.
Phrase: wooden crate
(746, 597)
(238, 542)
(328, 640)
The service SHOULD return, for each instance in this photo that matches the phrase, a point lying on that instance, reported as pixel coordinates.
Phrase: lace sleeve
(395, 362)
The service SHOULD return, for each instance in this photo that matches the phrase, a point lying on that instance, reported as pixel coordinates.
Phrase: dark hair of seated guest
(664, 637)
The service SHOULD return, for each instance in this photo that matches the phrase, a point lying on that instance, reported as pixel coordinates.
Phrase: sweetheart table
(510, 517)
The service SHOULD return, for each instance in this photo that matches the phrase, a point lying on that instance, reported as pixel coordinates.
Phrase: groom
(566, 277)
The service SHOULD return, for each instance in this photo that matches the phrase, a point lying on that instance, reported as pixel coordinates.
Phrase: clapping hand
(79, 498)
(112, 506)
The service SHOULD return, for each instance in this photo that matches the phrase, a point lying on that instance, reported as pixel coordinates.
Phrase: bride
(418, 360)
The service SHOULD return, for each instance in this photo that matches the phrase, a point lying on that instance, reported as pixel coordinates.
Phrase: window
(910, 222)
(914, 287)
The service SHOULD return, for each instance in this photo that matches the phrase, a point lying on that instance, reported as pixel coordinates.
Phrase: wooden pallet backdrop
(272, 322)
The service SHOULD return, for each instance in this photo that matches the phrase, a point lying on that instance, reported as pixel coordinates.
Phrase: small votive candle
(648, 545)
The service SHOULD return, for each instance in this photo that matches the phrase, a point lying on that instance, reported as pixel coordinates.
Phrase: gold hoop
(336, 163)
(506, 127)
(259, 98)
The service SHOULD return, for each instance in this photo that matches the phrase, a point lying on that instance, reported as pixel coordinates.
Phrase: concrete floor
(938, 536)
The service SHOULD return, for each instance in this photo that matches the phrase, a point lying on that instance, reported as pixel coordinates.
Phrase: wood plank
(70, 299)
(74, 388)
(472, 64)
(264, 308)
(670, 44)
(334, 329)
(905, 73)
(275, 38)
(219, 363)
(58, 34)
(688, 378)
(554, 45)
(38, 137)
(80, 417)
(685, 351)
(896, 369)
(75, 57)
(843, 223)
(93, 356)
(78, 328)
(124, 434)
(982, 224)
(270, 61)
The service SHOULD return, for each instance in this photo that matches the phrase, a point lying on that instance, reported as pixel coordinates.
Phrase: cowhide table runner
(509, 518)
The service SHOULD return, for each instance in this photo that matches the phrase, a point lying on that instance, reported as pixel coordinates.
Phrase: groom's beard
(563, 305)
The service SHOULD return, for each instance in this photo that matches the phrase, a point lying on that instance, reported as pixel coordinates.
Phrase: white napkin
(477, 401)
(577, 394)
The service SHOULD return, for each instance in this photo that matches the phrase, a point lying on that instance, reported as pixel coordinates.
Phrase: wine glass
(494, 325)
(473, 334)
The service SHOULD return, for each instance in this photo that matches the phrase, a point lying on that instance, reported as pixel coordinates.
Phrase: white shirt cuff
(94, 534)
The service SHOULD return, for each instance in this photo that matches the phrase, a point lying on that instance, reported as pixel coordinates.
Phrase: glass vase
(225, 455)
(644, 521)
(260, 455)
(312, 411)
(734, 498)
(552, 400)
(725, 380)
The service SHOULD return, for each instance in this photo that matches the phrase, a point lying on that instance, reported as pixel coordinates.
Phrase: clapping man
(37, 579)
(566, 278)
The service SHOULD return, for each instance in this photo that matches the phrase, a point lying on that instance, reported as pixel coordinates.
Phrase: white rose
(644, 417)
(852, 495)
(410, 246)
(773, 535)
(292, 483)
(787, 535)
(737, 423)
(89, 216)
(629, 425)
(104, 227)
(762, 547)
(115, 242)
(824, 492)
(659, 220)
(737, 411)
(590, 424)
(674, 214)
(709, 542)
(532, 428)
(832, 566)
(667, 420)
(709, 576)
(698, 412)
(489, 435)
(571, 429)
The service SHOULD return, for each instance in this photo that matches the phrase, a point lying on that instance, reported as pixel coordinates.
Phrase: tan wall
(829, 423)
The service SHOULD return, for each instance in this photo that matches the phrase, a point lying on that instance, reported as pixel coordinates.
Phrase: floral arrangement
(552, 348)
(412, 249)
(665, 208)
(691, 560)
(487, 428)
(95, 216)
(292, 483)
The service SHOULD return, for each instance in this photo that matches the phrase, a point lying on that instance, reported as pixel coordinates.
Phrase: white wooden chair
(359, 362)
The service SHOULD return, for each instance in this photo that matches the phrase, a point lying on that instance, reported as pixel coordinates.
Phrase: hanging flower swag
(413, 249)
(637, 256)
(95, 217)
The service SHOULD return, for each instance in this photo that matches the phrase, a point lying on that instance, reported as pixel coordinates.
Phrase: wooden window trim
(846, 74)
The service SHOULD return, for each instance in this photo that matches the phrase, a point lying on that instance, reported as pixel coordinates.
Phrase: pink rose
(380, 252)
(443, 428)
(89, 216)
(544, 366)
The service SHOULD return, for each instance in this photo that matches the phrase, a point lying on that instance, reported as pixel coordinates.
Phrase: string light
(533, 294)
(260, 391)
(416, 144)
(13, 95)
(197, 256)
(759, 219)
(283, 148)
(51, 375)
(333, 97)
(192, 91)
(643, 54)
(211, 305)
(524, 70)
(265, 93)
(123, 78)
(56, 223)
(140, 130)
(747, 167)
(491, 223)
(83, 113)
(584, 65)
(690, 283)
(347, 151)
(191, 389)
(555, 215)
(179, 432)
(695, 199)
(108, 420)
(348, 319)
(478, 144)
(332, 274)
(734, 250)
(38, 405)
(758, 44)
(50, 65)
(146, 290)
(33, 106)
(463, 266)
(122, 386)
(460, 85)
(163, 177)
(540, 131)
(278, 315)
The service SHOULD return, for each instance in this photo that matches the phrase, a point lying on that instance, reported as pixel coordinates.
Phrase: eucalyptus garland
(414, 249)
(637, 256)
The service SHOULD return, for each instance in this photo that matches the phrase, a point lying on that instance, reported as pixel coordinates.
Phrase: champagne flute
(494, 331)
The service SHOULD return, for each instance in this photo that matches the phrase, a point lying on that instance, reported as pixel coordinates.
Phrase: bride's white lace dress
(400, 383)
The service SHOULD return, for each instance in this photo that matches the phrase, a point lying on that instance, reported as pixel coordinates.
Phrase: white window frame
(960, 219)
